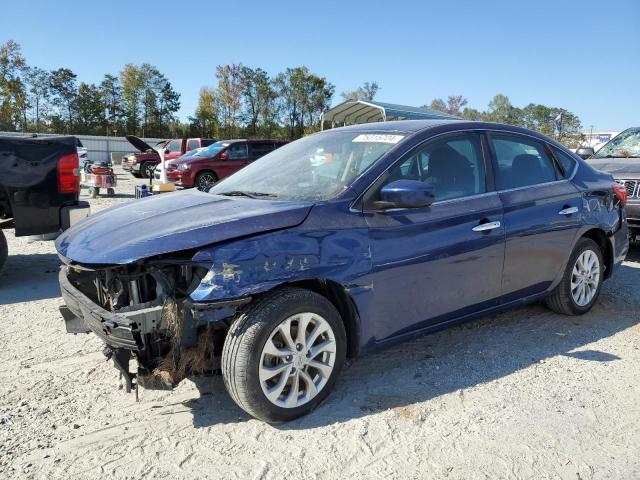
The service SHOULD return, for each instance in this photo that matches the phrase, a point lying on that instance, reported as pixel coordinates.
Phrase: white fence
(99, 148)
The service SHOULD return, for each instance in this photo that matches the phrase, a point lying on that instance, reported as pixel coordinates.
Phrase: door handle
(568, 211)
(485, 227)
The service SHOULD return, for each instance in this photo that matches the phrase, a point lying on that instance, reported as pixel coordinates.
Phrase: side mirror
(405, 194)
(223, 156)
(585, 152)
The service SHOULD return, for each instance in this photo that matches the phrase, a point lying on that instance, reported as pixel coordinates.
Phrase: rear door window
(238, 151)
(522, 162)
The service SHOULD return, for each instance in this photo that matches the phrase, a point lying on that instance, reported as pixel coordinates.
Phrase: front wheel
(581, 283)
(282, 355)
(146, 170)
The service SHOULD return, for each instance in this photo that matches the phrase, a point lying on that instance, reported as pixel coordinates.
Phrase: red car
(142, 164)
(216, 162)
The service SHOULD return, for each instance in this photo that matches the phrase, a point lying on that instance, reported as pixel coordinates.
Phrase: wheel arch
(341, 300)
(600, 237)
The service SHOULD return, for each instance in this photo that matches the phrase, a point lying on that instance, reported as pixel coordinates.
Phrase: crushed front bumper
(115, 330)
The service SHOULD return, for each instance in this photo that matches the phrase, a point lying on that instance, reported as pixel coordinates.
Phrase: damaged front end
(143, 310)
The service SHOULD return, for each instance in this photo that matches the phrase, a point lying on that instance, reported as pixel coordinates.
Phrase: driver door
(435, 263)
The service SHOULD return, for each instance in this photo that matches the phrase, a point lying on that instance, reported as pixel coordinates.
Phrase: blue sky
(580, 55)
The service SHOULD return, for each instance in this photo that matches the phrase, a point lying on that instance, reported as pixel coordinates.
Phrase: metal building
(99, 148)
(353, 112)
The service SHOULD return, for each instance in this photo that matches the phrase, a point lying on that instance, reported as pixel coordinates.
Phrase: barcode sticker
(378, 138)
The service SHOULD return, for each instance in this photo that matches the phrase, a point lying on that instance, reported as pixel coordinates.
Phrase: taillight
(620, 191)
(68, 174)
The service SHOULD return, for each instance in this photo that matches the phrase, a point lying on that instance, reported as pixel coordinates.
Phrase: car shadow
(29, 277)
(451, 360)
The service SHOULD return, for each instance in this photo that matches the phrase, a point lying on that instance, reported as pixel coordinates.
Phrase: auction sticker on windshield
(378, 138)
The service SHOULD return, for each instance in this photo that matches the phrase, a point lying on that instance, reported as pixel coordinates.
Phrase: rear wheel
(95, 191)
(205, 180)
(282, 356)
(581, 283)
(4, 250)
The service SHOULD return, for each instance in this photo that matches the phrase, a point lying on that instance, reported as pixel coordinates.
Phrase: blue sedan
(337, 244)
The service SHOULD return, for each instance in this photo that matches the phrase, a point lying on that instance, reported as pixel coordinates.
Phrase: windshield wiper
(240, 193)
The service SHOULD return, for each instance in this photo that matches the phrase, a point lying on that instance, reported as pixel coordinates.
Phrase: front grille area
(632, 186)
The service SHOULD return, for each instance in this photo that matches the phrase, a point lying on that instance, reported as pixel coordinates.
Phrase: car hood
(172, 222)
(138, 143)
(618, 167)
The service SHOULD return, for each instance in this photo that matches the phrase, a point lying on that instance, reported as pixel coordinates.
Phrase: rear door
(434, 263)
(542, 211)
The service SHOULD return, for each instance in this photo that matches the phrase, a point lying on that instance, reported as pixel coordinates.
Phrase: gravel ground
(523, 394)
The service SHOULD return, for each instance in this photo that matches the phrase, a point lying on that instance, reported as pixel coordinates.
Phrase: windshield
(625, 144)
(212, 150)
(317, 167)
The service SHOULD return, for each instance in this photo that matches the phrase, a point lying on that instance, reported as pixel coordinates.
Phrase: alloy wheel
(585, 278)
(206, 181)
(297, 360)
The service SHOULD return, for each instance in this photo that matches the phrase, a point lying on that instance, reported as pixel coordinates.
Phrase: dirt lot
(525, 394)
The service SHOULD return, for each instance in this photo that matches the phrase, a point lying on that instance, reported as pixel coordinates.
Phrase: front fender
(257, 264)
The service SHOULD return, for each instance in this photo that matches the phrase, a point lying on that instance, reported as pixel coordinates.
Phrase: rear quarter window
(566, 162)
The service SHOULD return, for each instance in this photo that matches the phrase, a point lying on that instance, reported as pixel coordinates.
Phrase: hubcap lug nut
(299, 347)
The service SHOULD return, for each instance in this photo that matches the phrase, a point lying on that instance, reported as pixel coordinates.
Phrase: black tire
(111, 192)
(561, 300)
(205, 180)
(241, 354)
(146, 170)
(95, 191)
(4, 250)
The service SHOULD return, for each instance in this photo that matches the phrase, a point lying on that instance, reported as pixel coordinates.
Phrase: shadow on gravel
(26, 278)
(452, 360)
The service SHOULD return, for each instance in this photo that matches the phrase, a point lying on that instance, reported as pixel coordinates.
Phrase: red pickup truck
(142, 164)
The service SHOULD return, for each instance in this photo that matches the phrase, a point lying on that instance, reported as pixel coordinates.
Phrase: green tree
(111, 92)
(132, 92)
(304, 97)
(260, 107)
(229, 97)
(471, 114)
(453, 105)
(502, 111)
(64, 94)
(38, 82)
(366, 92)
(90, 110)
(206, 117)
(13, 99)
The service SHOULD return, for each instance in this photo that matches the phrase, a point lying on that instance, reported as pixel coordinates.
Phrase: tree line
(242, 102)
(540, 118)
